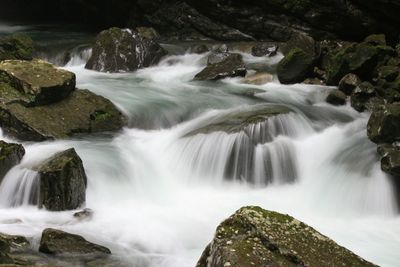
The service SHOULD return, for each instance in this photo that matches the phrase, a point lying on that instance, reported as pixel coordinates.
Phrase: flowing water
(158, 191)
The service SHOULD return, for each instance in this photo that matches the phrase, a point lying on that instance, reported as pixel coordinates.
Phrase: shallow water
(158, 194)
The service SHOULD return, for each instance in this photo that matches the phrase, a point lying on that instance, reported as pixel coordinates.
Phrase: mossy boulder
(384, 124)
(16, 46)
(62, 182)
(37, 82)
(295, 67)
(257, 237)
(231, 65)
(349, 83)
(336, 98)
(57, 242)
(10, 155)
(82, 112)
(123, 50)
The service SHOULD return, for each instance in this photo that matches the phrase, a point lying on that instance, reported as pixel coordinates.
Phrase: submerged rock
(231, 66)
(10, 156)
(122, 50)
(57, 242)
(257, 237)
(336, 97)
(295, 67)
(62, 182)
(258, 78)
(16, 46)
(384, 124)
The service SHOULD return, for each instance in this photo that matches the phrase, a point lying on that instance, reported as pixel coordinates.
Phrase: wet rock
(390, 161)
(258, 78)
(362, 97)
(376, 39)
(257, 237)
(264, 50)
(148, 33)
(336, 98)
(16, 46)
(301, 41)
(37, 82)
(10, 156)
(199, 49)
(57, 242)
(314, 81)
(217, 57)
(15, 241)
(389, 73)
(349, 83)
(85, 214)
(295, 67)
(122, 50)
(62, 182)
(231, 66)
(384, 124)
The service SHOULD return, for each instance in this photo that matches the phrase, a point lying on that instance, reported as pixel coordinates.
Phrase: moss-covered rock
(336, 98)
(231, 65)
(376, 39)
(349, 83)
(384, 124)
(122, 50)
(62, 182)
(257, 237)
(10, 155)
(295, 67)
(57, 242)
(37, 82)
(81, 112)
(16, 46)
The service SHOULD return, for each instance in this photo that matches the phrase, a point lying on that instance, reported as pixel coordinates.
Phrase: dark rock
(295, 67)
(314, 81)
(16, 46)
(264, 49)
(304, 42)
(217, 57)
(57, 242)
(148, 33)
(85, 214)
(362, 96)
(118, 50)
(349, 83)
(37, 82)
(10, 155)
(257, 237)
(384, 124)
(390, 161)
(376, 39)
(199, 49)
(15, 241)
(336, 98)
(231, 66)
(389, 73)
(62, 182)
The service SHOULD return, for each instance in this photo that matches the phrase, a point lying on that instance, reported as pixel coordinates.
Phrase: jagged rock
(258, 78)
(349, 83)
(231, 66)
(264, 49)
(16, 46)
(257, 237)
(57, 242)
(122, 50)
(337, 98)
(384, 124)
(10, 155)
(363, 97)
(295, 67)
(376, 39)
(37, 82)
(62, 182)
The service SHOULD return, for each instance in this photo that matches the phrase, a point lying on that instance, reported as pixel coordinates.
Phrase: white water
(158, 197)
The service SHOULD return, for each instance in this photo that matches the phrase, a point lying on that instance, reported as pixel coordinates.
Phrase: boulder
(57, 242)
(349, 83)
(295, 67)
(62, 182)
(37, 82)
(384, 124)
(257, 237)
(301, 41)
(264, 50)
(376, 39)
(388, 73)
(390, 161)
(10, 155)
(217, 57)
(122, 50)
(231, 66)
(336, 98)
(258, 78)
(363, 97)
(16, 46)
(148, 33)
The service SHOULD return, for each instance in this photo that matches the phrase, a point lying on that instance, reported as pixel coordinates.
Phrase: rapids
(158, 194)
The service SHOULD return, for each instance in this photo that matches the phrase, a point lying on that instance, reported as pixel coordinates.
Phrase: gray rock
(10, 156)
(384, 124)
(231, 66)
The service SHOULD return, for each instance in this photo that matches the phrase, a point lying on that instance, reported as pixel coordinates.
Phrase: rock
(38, 82)
(148, 33)
(258, 78)
(62, 182)
(384, 124)
(57, 242)
(336, 98)
(15, 241)
(217, 57)
(390, 161)
(199, 49)
(118, 50)
(81, 112)
(231, 66)
(301, 41)
(16, 46)
(376, 39)
(295, 67)
(389, 73)
(363, 96)
(264, 49)
(85, 214)
(257, 237)
(314, 81)
(10, 156)
(349, 83)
